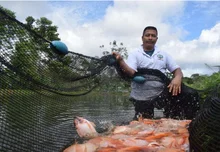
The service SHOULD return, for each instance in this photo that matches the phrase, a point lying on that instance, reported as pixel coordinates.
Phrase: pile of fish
(144, 135)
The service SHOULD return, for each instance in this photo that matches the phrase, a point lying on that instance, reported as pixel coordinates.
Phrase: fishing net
(37, 84)
(204, 129)
(32, 74)
(153, 92)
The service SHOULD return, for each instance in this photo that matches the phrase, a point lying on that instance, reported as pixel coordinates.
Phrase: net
(204, 129)
(32, 74)
(154, 92)
(36, 85)
(33, 62)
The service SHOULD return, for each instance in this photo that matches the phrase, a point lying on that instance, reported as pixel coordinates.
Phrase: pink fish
(164, 135)
(86, 147)
(85, 128)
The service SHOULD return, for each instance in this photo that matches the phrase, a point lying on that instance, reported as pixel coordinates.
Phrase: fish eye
(80, 120)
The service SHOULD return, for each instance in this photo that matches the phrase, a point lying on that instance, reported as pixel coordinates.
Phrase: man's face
(149, 39)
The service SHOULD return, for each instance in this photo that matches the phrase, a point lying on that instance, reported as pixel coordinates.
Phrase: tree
(6, 45)
(111, 78)
(206, 84)
(32, 58)
(31, 52)
(6, 28)
(116, 48)
(23, 46)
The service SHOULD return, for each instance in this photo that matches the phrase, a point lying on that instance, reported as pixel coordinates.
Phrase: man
(145, 95)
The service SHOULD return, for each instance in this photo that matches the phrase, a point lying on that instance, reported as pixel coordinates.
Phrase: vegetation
(201, 82)
(206, 84)
(115, 47)
(112, 82)
(30, 54)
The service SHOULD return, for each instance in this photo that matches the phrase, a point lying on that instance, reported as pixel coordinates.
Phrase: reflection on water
(32, 122)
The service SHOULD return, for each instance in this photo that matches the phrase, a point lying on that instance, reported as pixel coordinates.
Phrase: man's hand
(175, 86)
(125, 68)
(117, 56)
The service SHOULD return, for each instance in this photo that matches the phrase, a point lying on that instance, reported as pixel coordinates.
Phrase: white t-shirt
(159, 60)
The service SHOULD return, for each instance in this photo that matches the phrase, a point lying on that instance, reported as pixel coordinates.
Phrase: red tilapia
(144, 135)
(85, 128)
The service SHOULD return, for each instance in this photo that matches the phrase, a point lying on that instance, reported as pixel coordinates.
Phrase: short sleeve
(132, 60)
(171, 64)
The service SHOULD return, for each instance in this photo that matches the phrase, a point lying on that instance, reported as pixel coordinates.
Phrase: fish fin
(93, 124)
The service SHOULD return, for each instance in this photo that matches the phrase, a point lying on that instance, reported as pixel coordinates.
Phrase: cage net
(27, 58)
(32, 75)
(154, 90)
(204, 129)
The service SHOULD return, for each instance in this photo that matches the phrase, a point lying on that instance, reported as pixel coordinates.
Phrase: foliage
(31, 55)
(27, 52)
(203, 82)
(116, 48)
(5, 30)
(6, 37)
(206, 84)
(112, 82)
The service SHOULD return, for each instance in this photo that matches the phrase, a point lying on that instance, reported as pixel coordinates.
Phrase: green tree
(6, 31)
(23, 46)
(45, 28)
(206, 84)
(6, 45)
(31, 52)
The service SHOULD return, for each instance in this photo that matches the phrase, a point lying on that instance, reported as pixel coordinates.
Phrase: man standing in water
(149, 57)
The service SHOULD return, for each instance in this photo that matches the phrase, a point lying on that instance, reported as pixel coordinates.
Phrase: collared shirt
(159, 60)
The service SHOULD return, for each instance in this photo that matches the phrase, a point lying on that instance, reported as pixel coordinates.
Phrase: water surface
(35, 122)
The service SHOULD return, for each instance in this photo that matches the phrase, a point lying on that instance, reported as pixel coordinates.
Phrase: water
(35, 122)
(32, 122)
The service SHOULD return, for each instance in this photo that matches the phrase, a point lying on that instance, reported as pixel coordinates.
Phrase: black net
(153, 93)
(39, 89)
(37, 85)
(204, 129)
(27, 58)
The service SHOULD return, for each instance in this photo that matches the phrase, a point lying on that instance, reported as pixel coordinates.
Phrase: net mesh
(32, 75)
(204, 129)
(27, 58)
(184, 106)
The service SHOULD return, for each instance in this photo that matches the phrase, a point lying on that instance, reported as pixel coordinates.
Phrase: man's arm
(125, 68)
(175, 84)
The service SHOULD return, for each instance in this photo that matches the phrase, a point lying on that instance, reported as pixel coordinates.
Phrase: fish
(142, 135)
(85, 128)
(86, 147)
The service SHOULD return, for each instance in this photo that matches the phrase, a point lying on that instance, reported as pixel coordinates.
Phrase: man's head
(149, 37)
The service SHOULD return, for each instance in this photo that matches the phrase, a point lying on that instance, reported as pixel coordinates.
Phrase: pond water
(34, 122)
(101, 109)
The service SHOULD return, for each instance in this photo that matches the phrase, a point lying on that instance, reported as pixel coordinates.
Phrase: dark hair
(149, 28)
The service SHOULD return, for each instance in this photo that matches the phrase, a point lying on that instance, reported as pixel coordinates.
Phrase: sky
(188, 30)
